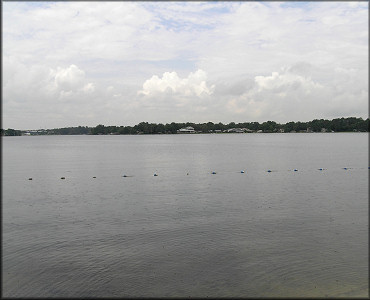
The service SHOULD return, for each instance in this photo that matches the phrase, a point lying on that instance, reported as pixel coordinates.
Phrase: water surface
(186, 232)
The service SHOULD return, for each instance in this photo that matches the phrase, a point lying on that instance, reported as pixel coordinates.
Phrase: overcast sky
(120, 63)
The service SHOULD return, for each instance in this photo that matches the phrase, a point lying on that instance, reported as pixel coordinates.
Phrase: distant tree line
(58, 131)
(337, 125)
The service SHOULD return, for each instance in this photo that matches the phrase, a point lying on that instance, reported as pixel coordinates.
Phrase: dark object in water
(214, 172)
(94, 176)
(62, 178)
(30, 178)
(155, 174)
(269, 171)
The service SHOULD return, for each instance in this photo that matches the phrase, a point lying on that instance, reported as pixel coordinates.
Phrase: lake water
(186, 232)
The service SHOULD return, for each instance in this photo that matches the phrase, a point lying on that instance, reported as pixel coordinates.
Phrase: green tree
(100, 129)
(268, 126)
(288, 127)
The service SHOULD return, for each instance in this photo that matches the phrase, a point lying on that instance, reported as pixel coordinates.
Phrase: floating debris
(241, 171)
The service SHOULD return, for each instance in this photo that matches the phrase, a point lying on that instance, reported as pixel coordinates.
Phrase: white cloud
(68, 79)
(49, 95)
(286, 96)
(282, 82)
(193, 85)
(88, 88)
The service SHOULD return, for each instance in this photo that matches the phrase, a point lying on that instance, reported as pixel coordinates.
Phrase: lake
(186, 232)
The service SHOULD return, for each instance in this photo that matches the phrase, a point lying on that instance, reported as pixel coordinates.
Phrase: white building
(236, 130)
(188, 129)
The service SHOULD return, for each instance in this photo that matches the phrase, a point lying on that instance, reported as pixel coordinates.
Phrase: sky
(68, 64)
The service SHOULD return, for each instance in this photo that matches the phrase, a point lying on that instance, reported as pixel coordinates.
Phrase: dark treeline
(11, 132)
(336, 125)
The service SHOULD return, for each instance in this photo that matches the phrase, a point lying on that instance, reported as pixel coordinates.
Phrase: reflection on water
(231, 234)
